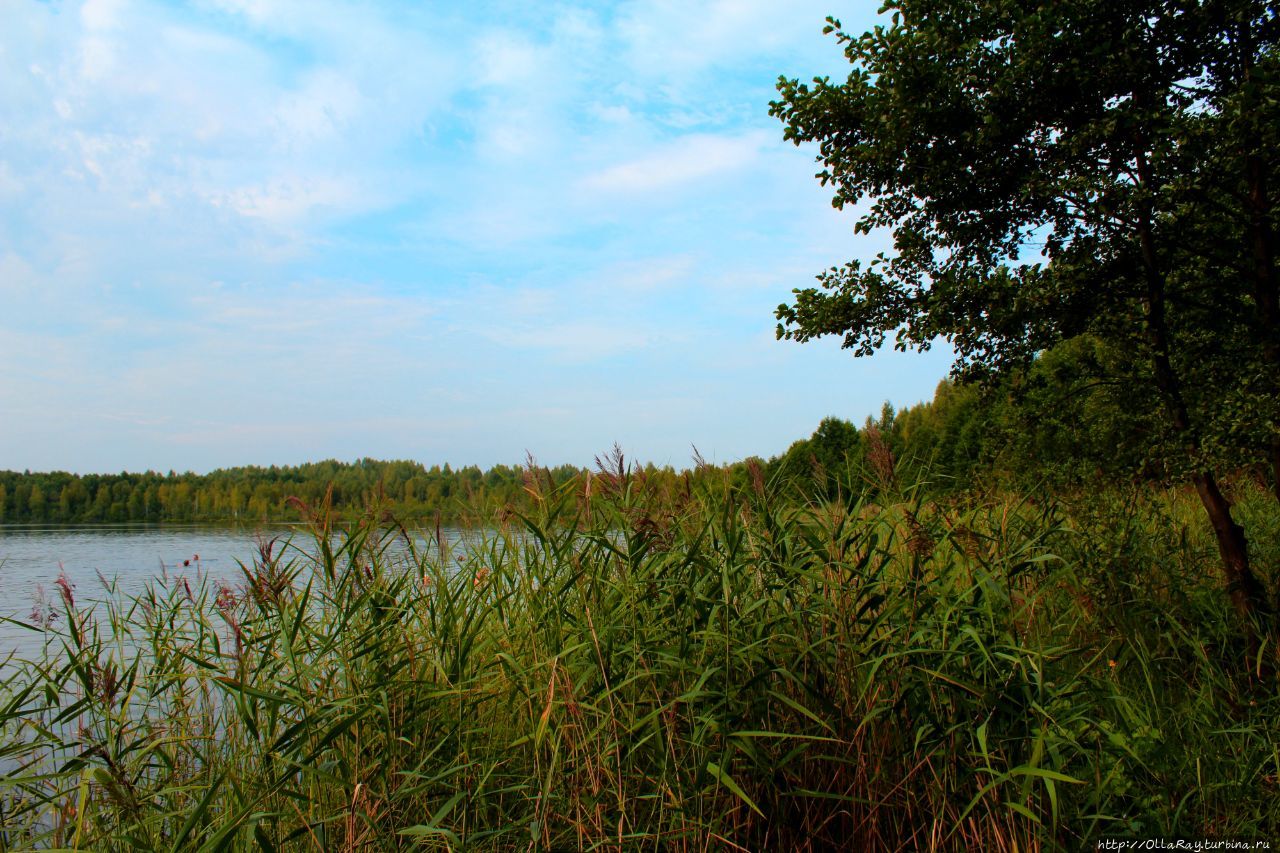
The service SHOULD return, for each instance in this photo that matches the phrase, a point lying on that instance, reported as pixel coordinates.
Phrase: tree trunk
(1247, 594)
(1266, 290)
(1266, 293)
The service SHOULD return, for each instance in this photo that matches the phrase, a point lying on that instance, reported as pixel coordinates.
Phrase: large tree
(1053, 168)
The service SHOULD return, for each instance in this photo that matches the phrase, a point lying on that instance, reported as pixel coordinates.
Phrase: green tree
(67, 502)
(136, 504)
(21, 500)
(101, 510)
(1239, 135)
(36, 503)
(1047, 170)
(821, 462)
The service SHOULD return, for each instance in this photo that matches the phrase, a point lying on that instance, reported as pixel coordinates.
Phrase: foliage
(821, 462)
(1055, 170)
(1109, 136)
(1050, 170)
(1065, 422)
(625, 666)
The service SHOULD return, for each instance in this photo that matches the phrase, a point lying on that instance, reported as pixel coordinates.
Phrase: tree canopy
(1052, 170)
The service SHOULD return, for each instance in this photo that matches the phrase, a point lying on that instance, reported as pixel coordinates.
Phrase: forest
(256, 495)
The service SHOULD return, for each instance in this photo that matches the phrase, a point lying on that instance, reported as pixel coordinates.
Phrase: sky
(264, 232)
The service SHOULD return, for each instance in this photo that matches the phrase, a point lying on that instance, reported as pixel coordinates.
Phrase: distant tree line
(255, 494)
(1064, 422)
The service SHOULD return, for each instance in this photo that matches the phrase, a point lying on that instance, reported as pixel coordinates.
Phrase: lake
(31, 559)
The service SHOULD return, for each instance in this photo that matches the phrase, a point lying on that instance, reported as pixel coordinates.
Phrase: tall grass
(627, 667)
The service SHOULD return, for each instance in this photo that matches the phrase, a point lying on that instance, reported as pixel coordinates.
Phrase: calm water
(32, 557)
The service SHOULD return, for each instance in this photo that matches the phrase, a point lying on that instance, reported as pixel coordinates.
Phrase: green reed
(630, 665)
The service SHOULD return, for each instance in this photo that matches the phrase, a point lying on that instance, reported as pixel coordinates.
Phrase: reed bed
(634, 666)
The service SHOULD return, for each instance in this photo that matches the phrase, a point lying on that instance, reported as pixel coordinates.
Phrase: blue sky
(273, 231)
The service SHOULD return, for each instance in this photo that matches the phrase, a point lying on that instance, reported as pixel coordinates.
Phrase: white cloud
(324, 106)
(688, 159)
(10, 184)
(579, 341)
(16, 274)
(342, 312)
(505, 57)
(285, 201)
(152, 102)
(115, 159)
(672, 38)
(97, 57)
(102, 14)
(648, 275)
